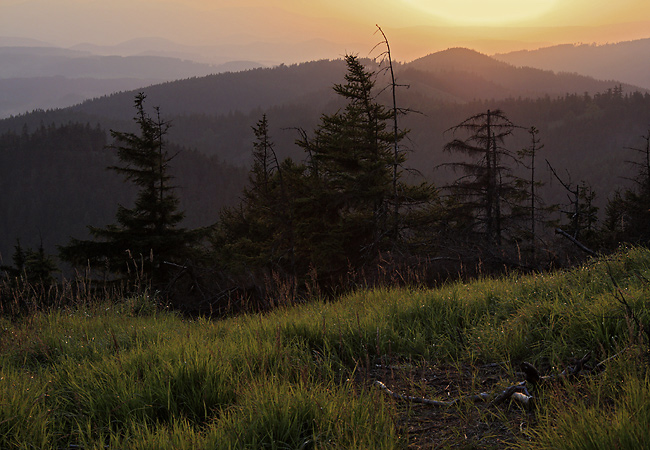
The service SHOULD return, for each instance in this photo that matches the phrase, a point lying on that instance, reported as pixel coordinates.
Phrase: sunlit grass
(128, 375)
(612, 411)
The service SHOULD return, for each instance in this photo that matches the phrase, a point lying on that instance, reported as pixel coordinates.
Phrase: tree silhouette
(259, 232)
(486, 191)
(535, 208)
(146, 236)
(32, 266)
(352, 159)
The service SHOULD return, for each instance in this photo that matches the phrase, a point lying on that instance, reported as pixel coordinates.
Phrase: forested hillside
(55, 167)
(56, 183)
(622, 61)
(50, 77)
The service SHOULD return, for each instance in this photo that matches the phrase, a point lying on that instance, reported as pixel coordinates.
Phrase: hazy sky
(415, 26)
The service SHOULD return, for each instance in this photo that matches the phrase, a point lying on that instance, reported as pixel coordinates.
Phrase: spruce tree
(146, 236)
(31, 266)
(334, 214)
(352, 164)
(534, 207)
(258, 233)
(581, 217)
(487, 192)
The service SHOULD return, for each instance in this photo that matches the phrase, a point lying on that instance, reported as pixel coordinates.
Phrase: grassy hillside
(130, 375)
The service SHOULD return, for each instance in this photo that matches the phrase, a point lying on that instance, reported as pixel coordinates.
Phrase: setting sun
(481, 12)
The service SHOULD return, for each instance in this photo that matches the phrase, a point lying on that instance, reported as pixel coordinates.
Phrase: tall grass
(126, 374)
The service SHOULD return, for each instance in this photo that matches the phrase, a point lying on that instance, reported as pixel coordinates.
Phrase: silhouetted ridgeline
(49, 77)
(53, 168)
(623, 61)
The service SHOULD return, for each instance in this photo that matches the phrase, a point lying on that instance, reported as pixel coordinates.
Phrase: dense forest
(463, 172)
(56, 183)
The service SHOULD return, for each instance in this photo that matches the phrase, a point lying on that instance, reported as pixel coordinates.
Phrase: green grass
(125, 375)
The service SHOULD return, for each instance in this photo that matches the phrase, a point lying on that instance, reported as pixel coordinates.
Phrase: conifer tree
(534, 208)
(487, 190)
(260, 230)
(581, 216)
(333, 213)
(146, 236)
(352, 160)
(31, 266)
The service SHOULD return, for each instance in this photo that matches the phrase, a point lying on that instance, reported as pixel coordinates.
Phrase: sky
(414, 27)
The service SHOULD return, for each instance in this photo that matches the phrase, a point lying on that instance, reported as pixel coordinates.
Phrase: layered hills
(585, 124)
(33, 77)
(624, 61)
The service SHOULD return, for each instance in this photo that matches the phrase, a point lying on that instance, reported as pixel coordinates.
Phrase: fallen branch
(518, 393)
(476, 398)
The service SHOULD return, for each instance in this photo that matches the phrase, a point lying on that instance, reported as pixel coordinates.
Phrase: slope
(51, 77)
(624, 61)
(584, 134)
(470, 75)
(305, 376)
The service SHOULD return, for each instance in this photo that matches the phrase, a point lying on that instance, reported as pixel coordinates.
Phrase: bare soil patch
(465, 425)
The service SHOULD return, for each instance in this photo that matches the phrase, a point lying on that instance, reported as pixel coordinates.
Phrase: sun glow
(484, 12)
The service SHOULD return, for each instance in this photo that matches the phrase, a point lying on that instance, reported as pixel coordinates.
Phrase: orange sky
(415, 27)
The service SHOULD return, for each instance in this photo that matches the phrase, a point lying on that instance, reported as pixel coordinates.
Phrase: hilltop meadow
(123, 372)
(341, 299)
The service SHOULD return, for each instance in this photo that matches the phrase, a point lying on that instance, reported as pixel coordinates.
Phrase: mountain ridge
(213, 115)
(44, 77)
(625, 61)
(506, 79)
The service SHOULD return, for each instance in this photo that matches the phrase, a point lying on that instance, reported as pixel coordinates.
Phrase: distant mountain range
(585, 124)
(302, 92)
(36, 75)
(468, 75)
(49, 77)
(27, 62)
(628, 62)
(264, 52)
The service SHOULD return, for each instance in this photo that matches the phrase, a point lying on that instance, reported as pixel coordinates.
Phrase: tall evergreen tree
(259, 232)
(334, 213)
(533, 207)
(31, 266)
(147, 235)
(487, 190)
(352, 161)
